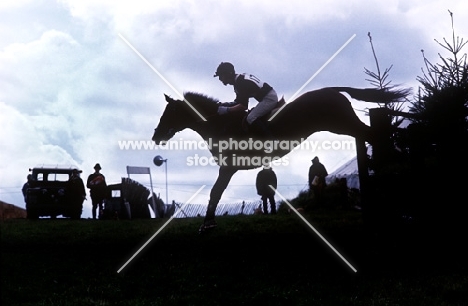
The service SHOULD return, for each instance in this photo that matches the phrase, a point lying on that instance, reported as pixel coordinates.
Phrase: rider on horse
(248, 86)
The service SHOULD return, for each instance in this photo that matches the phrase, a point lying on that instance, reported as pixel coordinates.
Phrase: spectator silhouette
(76, 193)
(98, 190)
(265, 178)
(317, 183)
(26, 186)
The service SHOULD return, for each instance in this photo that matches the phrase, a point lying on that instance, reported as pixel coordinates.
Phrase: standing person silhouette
(98, 190)
(265, 178)
(76, 194)
(26, 186)
(317, 175)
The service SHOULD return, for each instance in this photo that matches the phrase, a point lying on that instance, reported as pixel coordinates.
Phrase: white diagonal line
(313, 228)
(162, 77)
(313, 76)
(162, 227)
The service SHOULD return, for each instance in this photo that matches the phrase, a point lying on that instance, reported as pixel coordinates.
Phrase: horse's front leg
(224, 177)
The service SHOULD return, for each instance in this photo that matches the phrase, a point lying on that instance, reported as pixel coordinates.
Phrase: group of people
(76, 192)
(98, 189)
(267, 183)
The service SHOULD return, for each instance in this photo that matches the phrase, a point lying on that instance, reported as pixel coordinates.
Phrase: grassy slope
(247, 260)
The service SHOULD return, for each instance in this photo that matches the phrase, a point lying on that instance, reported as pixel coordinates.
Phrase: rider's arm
(222, 110)
(237, 108)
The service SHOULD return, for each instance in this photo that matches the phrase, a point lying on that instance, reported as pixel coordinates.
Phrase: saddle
(280, 104)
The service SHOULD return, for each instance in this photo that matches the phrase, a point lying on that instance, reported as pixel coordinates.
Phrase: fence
(197, 210)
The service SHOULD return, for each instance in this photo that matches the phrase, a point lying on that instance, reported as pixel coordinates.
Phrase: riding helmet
(224, 68)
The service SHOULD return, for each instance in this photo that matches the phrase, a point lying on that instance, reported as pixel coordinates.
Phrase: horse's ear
(168, 99)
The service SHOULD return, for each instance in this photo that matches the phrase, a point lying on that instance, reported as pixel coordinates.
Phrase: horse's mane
(197, 98)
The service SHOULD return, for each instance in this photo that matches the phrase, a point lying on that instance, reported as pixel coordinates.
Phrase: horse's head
(169, 124)
(181, 114)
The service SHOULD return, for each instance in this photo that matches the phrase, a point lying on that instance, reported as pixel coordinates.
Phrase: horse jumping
(324, 109)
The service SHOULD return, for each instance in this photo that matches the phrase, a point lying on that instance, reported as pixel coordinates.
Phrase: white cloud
(39, 68)
(9, 4)
(24, 145)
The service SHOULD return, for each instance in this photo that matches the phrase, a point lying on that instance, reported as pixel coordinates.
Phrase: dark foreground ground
(247, 260)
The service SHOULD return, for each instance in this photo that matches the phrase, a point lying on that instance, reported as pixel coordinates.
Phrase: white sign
(138, 170)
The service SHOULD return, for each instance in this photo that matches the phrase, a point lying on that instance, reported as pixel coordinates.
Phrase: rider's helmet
(224, 68)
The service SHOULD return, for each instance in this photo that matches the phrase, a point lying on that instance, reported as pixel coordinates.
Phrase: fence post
(363, 171)
(382, 148)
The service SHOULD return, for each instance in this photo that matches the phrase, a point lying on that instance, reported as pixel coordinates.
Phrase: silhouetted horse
(319, 110)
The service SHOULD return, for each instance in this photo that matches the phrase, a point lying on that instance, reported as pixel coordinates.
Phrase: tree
(439, 133)
(386, 118)
(380, 81)
(441, 106)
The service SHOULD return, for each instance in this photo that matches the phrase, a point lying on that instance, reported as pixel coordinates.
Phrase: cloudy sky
(72, 88)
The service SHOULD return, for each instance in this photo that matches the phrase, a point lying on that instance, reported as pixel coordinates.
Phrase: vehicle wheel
(31, 215)
(76, 213)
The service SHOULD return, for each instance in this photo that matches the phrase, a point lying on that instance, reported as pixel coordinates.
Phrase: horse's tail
(374, 94)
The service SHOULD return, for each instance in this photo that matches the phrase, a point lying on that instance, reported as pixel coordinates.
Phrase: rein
(206, 117)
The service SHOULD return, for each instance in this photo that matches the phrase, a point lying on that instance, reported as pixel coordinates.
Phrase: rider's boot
(260, 128)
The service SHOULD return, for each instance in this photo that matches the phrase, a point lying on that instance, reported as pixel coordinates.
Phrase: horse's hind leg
(349, 123)
(224, 177)
(359, 130)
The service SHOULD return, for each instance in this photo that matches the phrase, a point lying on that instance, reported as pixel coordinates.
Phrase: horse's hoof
(207, 225)
(202, 229)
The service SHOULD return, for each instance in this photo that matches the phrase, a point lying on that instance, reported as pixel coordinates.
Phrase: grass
(246, 260)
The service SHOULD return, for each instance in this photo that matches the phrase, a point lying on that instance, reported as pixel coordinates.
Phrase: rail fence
(198, 210)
